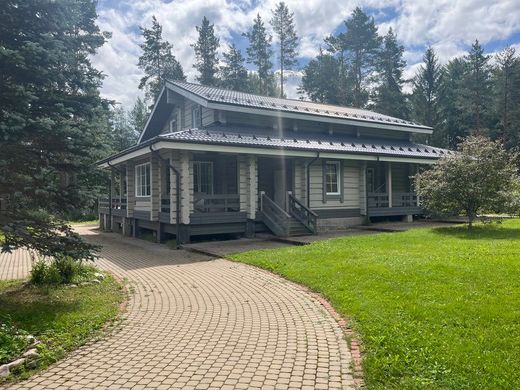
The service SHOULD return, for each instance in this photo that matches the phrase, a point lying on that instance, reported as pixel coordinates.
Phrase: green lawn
(434, 308)
(62, 318)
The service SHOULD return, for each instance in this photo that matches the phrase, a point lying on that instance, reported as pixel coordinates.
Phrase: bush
(61, 270)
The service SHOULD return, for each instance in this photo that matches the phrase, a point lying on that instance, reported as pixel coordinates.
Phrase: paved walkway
(193, 323)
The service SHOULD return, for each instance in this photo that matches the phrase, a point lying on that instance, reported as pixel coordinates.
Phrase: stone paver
(192, 323)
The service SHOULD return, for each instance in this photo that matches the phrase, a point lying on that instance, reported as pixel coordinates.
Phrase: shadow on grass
(32, 308)
(479, 232)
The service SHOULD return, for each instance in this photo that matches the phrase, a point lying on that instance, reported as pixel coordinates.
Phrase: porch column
(389, 182)
(175, 161)
(186, 190)
(363, 188)
(110, 223)
(130, 189)
(155, 188)
(252, 187)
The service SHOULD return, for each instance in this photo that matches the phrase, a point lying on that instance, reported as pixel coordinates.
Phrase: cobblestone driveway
(194, 323)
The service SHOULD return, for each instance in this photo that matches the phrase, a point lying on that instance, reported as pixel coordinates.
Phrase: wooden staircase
(298, 221)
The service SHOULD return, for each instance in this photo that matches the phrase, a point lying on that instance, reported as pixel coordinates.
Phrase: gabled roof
(219, 96)
(337, 143)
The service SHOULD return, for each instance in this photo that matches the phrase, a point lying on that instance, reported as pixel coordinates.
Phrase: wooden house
(213, 161)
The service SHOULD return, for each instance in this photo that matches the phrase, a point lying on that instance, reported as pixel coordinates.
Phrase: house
(212, 161)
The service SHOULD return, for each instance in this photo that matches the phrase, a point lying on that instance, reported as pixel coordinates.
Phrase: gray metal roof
(248, 137)
(224, 96)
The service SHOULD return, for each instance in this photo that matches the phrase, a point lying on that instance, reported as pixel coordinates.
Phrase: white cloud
(448, 25)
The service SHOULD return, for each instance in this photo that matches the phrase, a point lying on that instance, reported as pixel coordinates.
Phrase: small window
(332, 178)
(195, 117)
(142, 180)
(203, 177)
(173, 124)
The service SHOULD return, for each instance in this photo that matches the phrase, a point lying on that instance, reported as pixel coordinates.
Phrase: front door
(275, 178)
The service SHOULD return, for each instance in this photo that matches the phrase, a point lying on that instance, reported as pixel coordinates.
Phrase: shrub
(61, 270)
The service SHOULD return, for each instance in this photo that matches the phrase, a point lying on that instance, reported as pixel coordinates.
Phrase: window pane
(331, 178)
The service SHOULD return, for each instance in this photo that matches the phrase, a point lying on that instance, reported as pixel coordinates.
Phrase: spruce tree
(259, 52)
(361, 44)
(455, 122)
(507, 96)
(53, 123)
(389, 97)
(426, 90)
(157, 62)
(233, 72)
(477, 88)
(283, 26)
(138, 117)
(206, 53)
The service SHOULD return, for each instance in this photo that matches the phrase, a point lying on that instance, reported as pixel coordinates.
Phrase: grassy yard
(62, 318)
(434, 308)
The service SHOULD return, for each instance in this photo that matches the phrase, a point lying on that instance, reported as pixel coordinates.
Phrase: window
(203, 177)
(370, 180)
(195, 117)
(142, 180)
(332, 178)
(173, 124)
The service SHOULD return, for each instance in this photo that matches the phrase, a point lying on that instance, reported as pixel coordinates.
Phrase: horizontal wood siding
(208, 116)
(350, 183)
(400, 180)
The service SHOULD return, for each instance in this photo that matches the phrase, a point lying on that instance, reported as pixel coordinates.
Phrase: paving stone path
(198, 323)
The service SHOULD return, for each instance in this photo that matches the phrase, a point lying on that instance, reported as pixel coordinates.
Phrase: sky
(450, 26)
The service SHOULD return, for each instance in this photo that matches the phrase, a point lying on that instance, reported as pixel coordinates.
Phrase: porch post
(389, 182)
(185, 188)
(155, 188)
(363, 188)
(130, 189)
(110, 223)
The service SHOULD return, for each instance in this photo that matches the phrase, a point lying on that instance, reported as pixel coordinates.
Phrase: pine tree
(317, 76)
(157, 62)
(206, 53)
(259, 52)
(138, 117)
(233, 72)
(477, 88)
(283, 26)
(507, 96)
(389, 98)
(53, 123)
(361, 44)
(122, 132)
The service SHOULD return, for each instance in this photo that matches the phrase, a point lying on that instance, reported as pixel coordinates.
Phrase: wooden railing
(219, 203)
(399, 199)
(276, 218)
(377, 199)
(116, 204)
(404, 199)
(165, 205)
(303, 214)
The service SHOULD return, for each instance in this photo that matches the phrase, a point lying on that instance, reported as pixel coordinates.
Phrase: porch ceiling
(338, 143)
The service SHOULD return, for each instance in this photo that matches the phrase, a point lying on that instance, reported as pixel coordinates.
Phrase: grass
(434, 308)
(62, 318)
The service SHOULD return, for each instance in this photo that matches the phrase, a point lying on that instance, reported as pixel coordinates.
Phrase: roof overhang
(159, 143)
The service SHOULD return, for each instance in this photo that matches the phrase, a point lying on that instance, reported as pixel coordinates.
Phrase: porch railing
(404, 199)
(303, 214)
(219, 203)
(399, 199)
(116, 204)
(165, 205)
(377, 199)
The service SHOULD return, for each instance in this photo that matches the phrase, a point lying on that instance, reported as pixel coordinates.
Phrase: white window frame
(210, 163)
(338, 177)
(196, 121)
(138, 180)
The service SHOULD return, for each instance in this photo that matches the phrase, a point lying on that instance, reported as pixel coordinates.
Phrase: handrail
(302, 213)
(274, 216)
